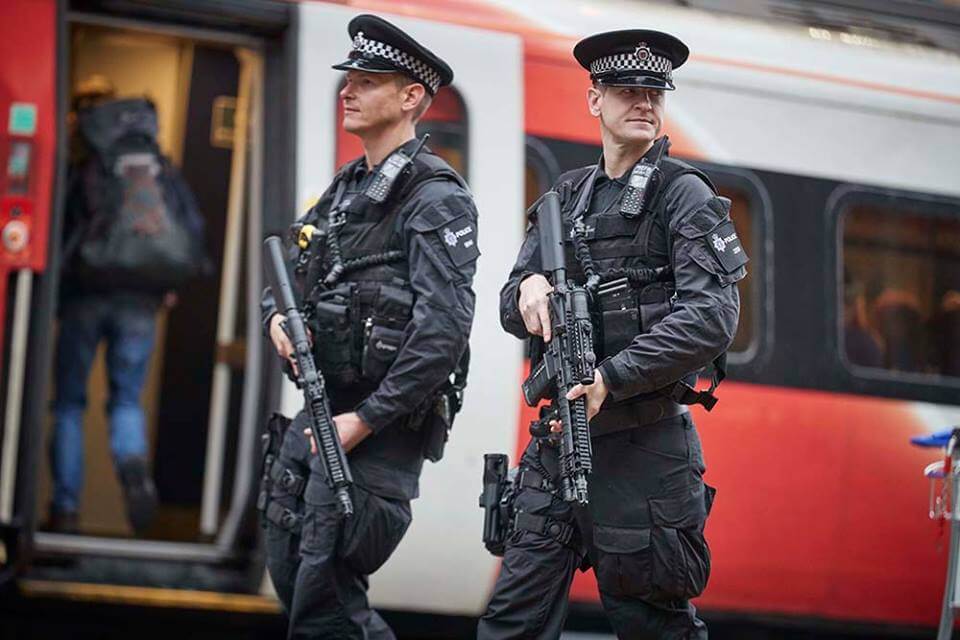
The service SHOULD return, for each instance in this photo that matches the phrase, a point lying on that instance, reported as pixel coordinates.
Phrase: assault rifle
(323, 431)
(568, 359)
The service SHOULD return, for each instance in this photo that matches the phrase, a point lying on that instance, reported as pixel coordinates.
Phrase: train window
(540, 171)
(900, 288)
(445, 121)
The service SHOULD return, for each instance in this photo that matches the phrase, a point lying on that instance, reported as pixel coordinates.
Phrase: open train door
(28, 149)
(477, 125)
(179, 46)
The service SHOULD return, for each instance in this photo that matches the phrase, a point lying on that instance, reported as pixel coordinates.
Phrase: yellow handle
(305, 235)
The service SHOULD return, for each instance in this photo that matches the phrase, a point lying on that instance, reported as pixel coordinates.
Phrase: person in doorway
(672, 245)
(389, 300)
(132, 232)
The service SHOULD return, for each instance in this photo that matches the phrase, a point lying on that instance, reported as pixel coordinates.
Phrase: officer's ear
(414, 99)
(594, 98)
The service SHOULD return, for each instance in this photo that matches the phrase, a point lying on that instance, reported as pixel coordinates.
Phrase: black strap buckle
(533, 479)
(287, 479)
(682, 393)
(267, 466)
(283, 517)
(543, 525)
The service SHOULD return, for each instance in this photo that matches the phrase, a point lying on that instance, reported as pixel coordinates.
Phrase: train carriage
(838, 150)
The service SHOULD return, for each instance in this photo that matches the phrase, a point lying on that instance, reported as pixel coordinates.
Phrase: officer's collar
(650, 155)
(361, 169)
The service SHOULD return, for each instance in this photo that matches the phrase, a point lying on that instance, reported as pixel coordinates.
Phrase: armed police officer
(384, 262)
(653, 243)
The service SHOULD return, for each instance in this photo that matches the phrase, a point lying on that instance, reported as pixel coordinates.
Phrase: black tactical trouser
(642, 532)
(337, 555)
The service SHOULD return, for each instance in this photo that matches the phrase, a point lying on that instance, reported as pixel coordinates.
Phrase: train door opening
(202, 395)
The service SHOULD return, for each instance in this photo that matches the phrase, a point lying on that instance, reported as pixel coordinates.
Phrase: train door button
(15, 236)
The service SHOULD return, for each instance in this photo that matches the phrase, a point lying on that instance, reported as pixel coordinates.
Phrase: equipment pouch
(619, 316)
(496, 485)
(270, 440)
(655, 303)
(334, 339)
(394, 307)
(680, 563)
(436, 428)
(380, 349)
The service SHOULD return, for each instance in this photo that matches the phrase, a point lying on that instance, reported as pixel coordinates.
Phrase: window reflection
(901, 289)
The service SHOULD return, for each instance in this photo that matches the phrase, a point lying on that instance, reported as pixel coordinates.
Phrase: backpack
(140, 228)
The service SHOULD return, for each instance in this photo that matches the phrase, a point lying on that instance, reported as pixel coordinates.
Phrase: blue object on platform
(937, 440)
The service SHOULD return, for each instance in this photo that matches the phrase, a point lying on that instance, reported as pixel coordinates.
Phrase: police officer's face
(631, 115)
(372, 101)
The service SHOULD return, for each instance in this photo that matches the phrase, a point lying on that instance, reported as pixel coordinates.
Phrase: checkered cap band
(417, 68)
(640, 60)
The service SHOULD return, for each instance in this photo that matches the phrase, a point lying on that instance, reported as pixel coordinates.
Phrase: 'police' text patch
(459, 238)
(725, 245)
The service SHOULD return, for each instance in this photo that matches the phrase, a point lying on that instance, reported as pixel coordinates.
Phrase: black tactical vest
(358, 320)
(632, 258)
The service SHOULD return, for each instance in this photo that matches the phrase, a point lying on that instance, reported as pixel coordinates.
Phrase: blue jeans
(127, 325)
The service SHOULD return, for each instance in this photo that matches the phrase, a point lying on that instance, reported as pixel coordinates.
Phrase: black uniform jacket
(441, 277)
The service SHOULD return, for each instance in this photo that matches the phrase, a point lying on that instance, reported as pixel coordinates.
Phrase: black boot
(139, 492)
(62, 521)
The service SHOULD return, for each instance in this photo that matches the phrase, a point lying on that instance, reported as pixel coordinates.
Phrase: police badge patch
(460, 240)
(725, 245)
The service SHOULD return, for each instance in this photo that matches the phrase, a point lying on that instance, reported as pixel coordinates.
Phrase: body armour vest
(629, 259)
(353, 273)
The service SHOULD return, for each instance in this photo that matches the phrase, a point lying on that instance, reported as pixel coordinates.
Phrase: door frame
(274, 40)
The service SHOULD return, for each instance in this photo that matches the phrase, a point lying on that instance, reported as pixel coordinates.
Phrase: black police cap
(632, 57)
(380, 47)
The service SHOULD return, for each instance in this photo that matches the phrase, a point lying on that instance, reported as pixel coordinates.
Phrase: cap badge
(642, 51)
(358, 40)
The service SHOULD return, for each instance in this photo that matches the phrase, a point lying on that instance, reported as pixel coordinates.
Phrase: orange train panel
(27, 136)
(27, 127)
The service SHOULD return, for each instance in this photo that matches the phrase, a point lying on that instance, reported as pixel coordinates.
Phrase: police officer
(651, 239)
(385, 264)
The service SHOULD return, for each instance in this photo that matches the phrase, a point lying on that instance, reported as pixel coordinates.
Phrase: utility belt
(621, 417)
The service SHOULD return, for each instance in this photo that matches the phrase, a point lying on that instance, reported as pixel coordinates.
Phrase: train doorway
(203, 397)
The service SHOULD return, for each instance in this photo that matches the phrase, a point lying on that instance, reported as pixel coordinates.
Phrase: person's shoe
(63, 521)
(139, 493)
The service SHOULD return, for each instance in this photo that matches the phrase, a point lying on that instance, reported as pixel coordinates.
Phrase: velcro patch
(459, 238)
(725, 245)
